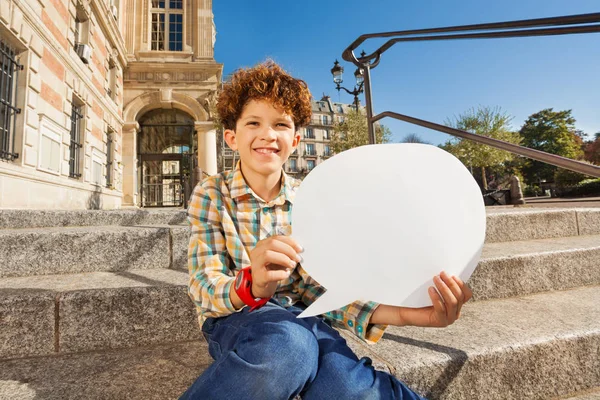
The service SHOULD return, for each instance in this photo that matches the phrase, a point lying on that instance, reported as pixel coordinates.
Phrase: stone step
(506, 269)
(55, 314)
(503, 224)
(536, 347)
(509, 269)
(27, 252)
(158, 373)
(514, 224)
(533, 347)
(24, 219)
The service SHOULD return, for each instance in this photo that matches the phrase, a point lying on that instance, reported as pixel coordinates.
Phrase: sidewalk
(549, 202)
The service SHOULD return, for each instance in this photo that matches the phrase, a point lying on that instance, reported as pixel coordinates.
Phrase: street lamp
(337, 72)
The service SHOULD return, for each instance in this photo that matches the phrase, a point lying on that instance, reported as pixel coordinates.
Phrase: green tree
(353, 132)
(484, 121)
(553, 132)
(592, 150)
(413, 138)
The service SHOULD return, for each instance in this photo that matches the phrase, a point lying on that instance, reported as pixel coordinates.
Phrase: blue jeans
(270, 354)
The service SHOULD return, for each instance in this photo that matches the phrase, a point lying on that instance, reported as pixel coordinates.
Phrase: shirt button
(350, 324)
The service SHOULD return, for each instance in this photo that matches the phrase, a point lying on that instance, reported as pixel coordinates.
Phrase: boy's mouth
(266, 150)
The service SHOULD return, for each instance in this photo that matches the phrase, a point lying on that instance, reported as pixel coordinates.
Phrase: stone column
(129, 148)
(207, 146)
(516, 194)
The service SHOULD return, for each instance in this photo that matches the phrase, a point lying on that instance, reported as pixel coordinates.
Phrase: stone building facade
(104, 103)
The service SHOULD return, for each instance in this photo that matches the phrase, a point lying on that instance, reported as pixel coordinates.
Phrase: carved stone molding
(166, 76)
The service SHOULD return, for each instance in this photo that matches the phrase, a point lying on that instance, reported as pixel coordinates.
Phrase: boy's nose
(268, 134)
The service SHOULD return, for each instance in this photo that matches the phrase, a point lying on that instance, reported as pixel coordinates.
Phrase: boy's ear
(230, 139)
(296, 140)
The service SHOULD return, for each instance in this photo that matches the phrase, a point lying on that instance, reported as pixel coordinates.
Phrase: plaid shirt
(228, 219)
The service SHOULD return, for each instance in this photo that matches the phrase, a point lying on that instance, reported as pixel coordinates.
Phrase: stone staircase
(93, 305)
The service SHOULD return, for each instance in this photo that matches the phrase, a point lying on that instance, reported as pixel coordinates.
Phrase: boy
(246, 277)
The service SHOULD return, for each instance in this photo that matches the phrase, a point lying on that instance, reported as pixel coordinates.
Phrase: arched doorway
(166, 145)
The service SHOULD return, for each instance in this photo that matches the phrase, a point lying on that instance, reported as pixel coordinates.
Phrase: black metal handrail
(582, 23)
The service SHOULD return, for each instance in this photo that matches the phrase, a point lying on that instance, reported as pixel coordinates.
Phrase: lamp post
(337, 71)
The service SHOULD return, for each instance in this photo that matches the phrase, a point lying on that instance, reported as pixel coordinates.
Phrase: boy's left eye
(283, 124)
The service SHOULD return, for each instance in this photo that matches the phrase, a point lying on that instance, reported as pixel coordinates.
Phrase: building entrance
(166, 155)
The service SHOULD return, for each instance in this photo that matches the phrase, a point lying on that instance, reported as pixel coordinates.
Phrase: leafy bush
(564, 178)
(588, 187)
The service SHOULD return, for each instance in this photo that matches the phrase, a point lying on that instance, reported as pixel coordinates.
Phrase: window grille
(75, 144)
(8, 101)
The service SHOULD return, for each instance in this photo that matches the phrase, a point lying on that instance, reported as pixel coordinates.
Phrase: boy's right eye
(251, 123)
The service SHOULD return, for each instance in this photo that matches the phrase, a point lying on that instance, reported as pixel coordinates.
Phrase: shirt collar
(239, 187)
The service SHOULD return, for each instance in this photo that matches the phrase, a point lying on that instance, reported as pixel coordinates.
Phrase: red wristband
(243, 288)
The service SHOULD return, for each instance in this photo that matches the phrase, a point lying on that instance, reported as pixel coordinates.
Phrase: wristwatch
(243, 288)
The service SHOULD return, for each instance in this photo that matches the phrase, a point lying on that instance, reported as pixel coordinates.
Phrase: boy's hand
(273, 259)
(445, 310)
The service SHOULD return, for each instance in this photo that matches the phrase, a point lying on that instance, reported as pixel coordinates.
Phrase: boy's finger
(468, 293)
(276, 275)
(455, 289)
(449, 300)
(274, 257)
(283, 247)
(290, 242)
(438, 304)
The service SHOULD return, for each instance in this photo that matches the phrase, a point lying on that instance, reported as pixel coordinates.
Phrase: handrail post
(368, 102)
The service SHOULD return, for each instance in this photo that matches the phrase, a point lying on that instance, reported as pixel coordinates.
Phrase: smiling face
(265, 137)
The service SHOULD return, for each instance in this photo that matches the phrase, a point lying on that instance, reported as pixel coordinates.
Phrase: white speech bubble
(378, 222)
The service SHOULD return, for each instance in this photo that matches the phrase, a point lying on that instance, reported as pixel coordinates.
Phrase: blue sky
(433, 80)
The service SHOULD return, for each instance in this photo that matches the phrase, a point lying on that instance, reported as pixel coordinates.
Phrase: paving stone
(26, 322)
(26, 252)
(160, 372)
(519, 268)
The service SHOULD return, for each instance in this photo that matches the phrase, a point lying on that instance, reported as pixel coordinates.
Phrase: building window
(75, 142)
(309, 134)
(325, 119)
(340, 108)
(167, 25)
(327, 151)
(310, 149)
(109, 158)
(293, 165)
(82, 27)
(8, 101)
(326, 135)
(310, 164)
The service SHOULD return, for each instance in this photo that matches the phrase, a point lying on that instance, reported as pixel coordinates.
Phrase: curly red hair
(265, 81)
